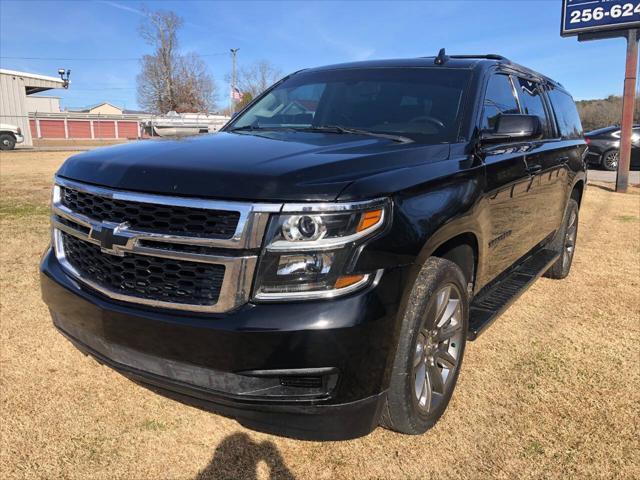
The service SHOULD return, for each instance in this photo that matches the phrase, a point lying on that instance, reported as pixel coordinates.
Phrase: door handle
(535, 168)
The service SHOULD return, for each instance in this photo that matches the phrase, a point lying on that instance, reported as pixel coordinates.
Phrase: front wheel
(610, 160)
(430, 350)
(7, 141)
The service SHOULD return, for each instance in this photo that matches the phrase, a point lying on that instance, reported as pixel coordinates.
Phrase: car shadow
(238, 456)
(602, 187)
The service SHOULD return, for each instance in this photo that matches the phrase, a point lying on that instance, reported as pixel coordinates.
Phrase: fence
(86, 126)
(72, 126)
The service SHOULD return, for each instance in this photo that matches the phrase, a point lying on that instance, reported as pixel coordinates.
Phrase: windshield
(423, 104)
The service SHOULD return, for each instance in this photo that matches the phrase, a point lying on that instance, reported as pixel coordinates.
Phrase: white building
(42, 104)
(15, 87)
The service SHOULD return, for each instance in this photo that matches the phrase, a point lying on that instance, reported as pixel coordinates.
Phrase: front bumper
(19, 138)
(314, 370)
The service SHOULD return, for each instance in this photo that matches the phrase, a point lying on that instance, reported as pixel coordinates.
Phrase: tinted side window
(498, 99)
(531, 102)
(566, 114)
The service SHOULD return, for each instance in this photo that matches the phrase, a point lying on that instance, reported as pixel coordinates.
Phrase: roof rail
(489, 56)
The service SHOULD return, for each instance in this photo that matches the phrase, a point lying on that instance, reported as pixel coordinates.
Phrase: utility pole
(234, 52)
(628, 101)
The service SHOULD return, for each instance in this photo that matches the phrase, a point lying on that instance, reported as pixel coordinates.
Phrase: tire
(421, 361)
(609, 160)
(565, 242)
(7, 141)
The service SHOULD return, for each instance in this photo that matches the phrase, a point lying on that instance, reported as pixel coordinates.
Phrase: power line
(97, 59)
(100, 89)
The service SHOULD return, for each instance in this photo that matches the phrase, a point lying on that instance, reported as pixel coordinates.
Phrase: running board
(489, 305)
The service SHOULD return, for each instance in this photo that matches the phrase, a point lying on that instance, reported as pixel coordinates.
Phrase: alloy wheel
(570, 239)
(437, 352)
(611, 160)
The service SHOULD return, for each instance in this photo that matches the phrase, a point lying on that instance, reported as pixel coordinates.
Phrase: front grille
(159, 250)
(153, 217)
(146, 277)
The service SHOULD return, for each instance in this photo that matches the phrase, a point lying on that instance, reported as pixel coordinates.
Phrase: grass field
(551, 390)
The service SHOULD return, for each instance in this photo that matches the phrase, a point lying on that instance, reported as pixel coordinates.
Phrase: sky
(100, 43)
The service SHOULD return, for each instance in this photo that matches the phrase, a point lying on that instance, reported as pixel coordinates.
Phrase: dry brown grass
(552, 390)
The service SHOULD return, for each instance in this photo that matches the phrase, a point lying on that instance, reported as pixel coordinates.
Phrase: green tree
(246, 99)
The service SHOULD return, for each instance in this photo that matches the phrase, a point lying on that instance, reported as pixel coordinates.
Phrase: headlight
(310, 249)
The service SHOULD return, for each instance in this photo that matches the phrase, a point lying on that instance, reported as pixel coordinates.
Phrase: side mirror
(513, 127)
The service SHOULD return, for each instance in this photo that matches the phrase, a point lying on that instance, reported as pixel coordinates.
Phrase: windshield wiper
(356, 131)
(249, 128)
(245, 128)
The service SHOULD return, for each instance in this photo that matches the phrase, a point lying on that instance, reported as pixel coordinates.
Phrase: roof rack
(442, 57)
(489, 56)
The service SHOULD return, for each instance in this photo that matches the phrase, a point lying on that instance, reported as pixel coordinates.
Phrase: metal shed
(14, 88)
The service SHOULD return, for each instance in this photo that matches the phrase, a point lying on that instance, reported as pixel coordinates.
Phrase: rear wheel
(610, 160)
(565, 243)
(430, 350)
(7, 141)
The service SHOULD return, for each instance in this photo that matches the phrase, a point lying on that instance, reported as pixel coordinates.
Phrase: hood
(276, 166)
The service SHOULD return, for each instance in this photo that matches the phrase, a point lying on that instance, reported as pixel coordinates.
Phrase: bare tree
(256, 78)
(169, 80)
(195, 87)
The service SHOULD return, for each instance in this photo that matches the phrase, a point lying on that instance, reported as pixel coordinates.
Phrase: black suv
(316, 268)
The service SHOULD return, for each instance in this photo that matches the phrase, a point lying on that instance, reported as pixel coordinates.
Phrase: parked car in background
(604, 147)
(9, 136)
(316, 267)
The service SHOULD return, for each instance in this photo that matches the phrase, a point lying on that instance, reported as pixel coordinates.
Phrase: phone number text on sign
(583, 16)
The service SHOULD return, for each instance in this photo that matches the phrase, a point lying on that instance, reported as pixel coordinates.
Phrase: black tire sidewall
(573, 206)
(558, 270)
(403, 409)
(12, 142)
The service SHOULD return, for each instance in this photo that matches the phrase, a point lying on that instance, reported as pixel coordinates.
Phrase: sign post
(599, 19)
(628, 103)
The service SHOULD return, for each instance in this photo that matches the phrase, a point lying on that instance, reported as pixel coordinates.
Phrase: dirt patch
(551, 390)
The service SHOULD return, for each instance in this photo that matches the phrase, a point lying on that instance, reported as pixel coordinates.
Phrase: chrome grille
(151, 217)
(108, 240)
(144, 276)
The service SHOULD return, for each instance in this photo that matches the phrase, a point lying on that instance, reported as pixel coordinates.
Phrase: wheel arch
(577, 192)
(459, 242)
(463, 251)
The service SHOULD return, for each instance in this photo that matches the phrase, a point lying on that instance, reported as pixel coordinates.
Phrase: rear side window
(531, 102)
(498, 99)
(566, 114)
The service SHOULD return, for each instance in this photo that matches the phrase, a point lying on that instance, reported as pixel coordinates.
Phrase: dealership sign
(590, 16)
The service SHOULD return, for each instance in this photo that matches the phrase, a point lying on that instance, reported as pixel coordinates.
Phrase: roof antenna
(441, 58)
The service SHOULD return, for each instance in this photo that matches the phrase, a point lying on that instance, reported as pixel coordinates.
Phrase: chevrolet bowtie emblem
(110, 235)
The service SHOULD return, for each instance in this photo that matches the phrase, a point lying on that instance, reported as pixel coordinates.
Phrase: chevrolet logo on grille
(111, 236)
